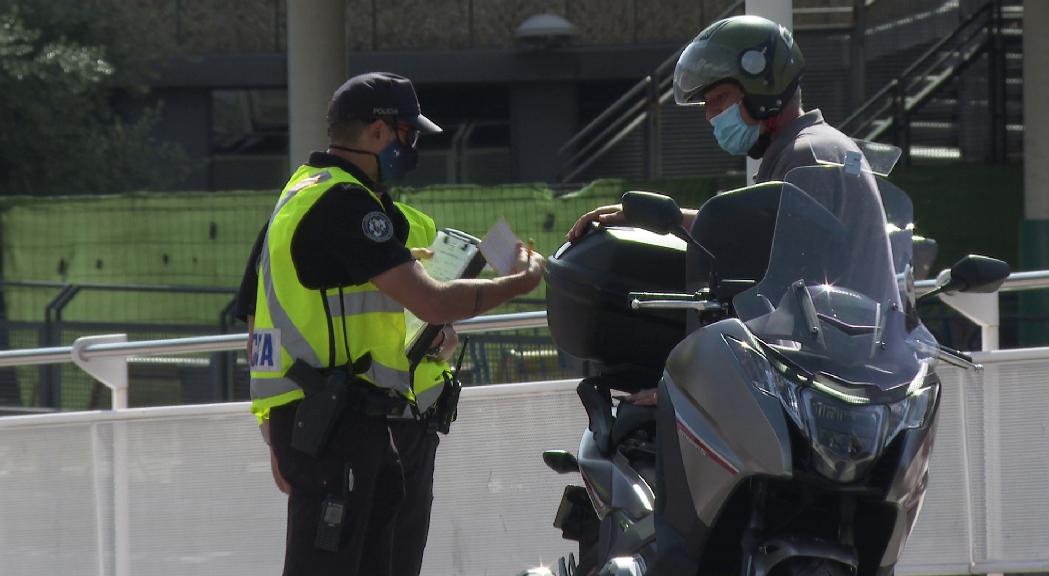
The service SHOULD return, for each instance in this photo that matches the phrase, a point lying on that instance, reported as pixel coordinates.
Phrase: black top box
(588, 309)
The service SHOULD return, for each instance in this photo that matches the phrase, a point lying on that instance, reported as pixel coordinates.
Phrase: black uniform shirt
(344, 239)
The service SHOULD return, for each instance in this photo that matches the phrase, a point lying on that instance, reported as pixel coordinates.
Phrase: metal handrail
(629, 116)
(944, 41)
(629, 101)
(229, 342)
(660, 74)
(603, 117)
(921, 61)
(622, 133)
(1017, 281)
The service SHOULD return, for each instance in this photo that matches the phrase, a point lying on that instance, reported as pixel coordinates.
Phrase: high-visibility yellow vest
(291, 322)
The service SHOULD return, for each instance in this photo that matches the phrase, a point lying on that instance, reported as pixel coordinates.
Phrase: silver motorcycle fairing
(612, 482)
(622, 499)
(907, 489)
(727, 429)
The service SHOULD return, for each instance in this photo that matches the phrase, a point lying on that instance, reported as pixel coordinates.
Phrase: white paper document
(499, 247)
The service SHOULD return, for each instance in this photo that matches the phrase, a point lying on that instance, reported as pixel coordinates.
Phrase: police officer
(747, 71)
(328, 364)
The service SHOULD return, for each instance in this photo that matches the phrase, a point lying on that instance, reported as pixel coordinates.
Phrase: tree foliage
(66, 67)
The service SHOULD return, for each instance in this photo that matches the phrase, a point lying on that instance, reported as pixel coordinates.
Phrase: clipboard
(456, 255)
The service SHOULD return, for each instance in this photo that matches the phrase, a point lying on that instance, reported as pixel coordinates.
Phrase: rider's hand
(607, 215)
(643, 398)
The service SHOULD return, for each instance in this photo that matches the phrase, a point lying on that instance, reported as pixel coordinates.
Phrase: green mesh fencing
(191, 249)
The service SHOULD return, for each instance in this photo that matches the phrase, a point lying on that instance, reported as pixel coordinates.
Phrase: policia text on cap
(328, 366)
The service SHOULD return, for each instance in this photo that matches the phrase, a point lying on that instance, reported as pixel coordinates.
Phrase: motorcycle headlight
(846, 438)
(847, 431)
(776, 381)
(914, 411)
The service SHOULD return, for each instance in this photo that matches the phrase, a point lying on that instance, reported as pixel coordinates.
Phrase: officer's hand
(530, 264)
(446, 340)
(607, 215)
(421, 253)
(521, 259)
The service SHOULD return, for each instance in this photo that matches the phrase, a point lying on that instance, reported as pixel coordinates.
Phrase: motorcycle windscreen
(899, 213)
(830, 299)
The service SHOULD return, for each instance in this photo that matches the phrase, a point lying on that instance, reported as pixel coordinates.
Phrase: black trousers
(363, 444)
(418, 449)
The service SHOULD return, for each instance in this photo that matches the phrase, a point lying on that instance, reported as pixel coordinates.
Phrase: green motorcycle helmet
(757, 54)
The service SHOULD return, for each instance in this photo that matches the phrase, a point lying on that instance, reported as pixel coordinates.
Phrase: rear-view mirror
(561, 461)
(979, 274)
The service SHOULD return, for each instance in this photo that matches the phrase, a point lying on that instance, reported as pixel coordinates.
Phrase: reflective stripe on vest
(362, 303)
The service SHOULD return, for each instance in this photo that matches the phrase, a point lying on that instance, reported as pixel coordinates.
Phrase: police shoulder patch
(377, 226)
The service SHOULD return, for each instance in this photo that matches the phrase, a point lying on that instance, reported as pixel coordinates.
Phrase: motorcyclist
(746, 72)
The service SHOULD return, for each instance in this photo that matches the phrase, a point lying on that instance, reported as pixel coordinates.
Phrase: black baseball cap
(379, 94)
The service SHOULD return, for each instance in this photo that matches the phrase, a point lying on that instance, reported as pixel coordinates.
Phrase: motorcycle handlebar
(672, 301)
(957, 358)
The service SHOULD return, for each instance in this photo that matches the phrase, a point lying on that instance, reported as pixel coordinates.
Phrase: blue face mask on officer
(398, 158)
(733, 134)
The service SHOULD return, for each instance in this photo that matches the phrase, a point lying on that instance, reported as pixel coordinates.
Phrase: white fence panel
(187, 490)
(940, 541)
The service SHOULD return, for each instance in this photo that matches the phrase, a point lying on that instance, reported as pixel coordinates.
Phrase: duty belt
(329, 393)
(362, 396)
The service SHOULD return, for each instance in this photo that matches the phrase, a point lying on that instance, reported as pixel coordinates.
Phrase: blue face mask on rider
(733, 134)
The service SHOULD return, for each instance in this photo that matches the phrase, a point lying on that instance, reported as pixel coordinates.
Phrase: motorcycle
(797, 390)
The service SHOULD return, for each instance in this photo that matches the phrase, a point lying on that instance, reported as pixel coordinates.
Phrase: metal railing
(62, 295)
(638, 107)
(891, 107)
(639, 104)
(187, 490)
(105, 357)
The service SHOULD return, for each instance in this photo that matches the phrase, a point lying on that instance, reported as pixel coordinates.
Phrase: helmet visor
(700, 66)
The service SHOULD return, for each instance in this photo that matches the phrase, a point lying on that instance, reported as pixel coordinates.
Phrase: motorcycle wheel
(812, 567)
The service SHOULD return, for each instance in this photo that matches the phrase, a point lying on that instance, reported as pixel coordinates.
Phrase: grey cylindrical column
(317, 65)
(1036, 114)
(781, 12)
(1034, 234)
